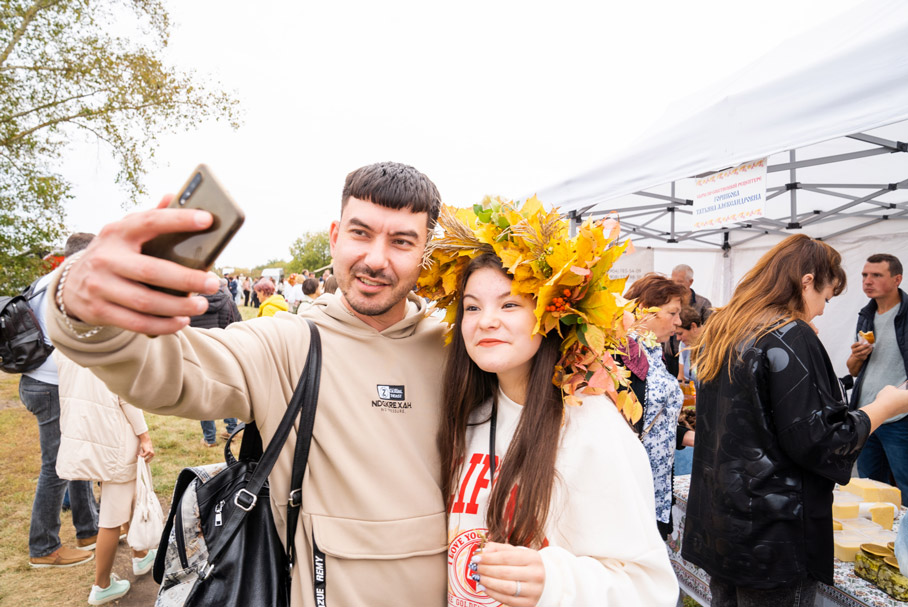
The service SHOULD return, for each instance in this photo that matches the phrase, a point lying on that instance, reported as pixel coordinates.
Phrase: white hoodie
(602, 544)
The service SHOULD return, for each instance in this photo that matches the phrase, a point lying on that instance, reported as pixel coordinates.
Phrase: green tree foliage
(77, 68)
(310, 252)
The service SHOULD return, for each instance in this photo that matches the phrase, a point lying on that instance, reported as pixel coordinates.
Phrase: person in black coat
(222, 311)
(774, 433)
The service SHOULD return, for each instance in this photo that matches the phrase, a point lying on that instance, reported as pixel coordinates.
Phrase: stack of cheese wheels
(863, 512)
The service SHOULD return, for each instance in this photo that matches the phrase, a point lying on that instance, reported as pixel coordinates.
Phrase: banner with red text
(730, 196)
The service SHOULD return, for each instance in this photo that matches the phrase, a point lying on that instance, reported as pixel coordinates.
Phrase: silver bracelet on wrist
(58, 298)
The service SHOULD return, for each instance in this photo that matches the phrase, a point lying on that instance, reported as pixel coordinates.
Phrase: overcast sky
(484, 97)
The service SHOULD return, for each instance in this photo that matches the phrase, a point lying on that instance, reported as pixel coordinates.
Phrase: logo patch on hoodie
(390, 392)
(391, 398)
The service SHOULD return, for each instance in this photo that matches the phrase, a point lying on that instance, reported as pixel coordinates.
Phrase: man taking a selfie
(371, 494)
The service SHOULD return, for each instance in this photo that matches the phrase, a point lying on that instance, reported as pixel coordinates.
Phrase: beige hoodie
(371, 492)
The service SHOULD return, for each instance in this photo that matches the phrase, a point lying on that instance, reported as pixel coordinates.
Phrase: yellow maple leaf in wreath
(594, 337)
(567, 276)
(510, 257)
(629, 406)
(603, 307)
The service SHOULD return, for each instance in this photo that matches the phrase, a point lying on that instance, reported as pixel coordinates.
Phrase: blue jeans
(684, 459)
(43, 401)
(801, 594)
(888, 443)
(208, 429)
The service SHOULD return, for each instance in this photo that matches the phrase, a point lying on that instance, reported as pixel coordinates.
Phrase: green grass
(248, 312)
(177, 444)
(9, 388)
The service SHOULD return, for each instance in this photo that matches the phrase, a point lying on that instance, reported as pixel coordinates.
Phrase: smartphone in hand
(198, 250)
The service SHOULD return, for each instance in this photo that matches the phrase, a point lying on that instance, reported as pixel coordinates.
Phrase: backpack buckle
(296, 498)
(251, 500)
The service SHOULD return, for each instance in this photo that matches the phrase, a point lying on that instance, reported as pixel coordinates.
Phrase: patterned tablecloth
(849, 589)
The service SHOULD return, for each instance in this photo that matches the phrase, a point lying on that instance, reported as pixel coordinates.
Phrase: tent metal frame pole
(642, 230)
(645, 224)
(825, 192)
(896, 146)
(821, 216)
(775, 223)
(672, 198)
(633, 215)
(643, 207)
(828, 159)
(846, 186)
(865, 224)
(749, 238)
(792, 187)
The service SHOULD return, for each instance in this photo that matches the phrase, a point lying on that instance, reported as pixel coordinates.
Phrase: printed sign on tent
(730, 196)
(633, 265)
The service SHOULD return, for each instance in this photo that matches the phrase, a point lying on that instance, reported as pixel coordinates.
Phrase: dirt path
(9, 391)
(144, 589)
(9, 404)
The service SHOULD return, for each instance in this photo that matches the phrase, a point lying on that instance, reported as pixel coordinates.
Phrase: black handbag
(219, 545)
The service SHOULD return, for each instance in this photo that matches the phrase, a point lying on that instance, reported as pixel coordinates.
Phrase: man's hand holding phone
(107, 285)
(136, 274)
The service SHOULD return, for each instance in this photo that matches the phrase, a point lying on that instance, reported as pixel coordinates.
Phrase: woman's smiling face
(497, 326)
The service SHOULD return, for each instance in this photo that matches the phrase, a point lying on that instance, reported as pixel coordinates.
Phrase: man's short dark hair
(310, 286)
(395, 186)
(689, 316)
(77, 242)
(895, 266)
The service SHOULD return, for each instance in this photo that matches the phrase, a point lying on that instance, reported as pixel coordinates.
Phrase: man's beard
(369, 305)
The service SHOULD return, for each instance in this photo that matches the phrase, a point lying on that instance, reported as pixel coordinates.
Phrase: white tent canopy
(830, 111)
(826, 93)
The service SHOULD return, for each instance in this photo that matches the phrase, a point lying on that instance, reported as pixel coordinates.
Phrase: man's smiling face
(377, 252)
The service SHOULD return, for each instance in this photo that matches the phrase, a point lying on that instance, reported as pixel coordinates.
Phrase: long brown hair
(530, 458)
(769, 296)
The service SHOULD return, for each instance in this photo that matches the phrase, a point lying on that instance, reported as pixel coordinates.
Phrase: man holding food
(879, 358)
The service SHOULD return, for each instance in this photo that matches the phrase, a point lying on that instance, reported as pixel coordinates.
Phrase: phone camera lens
(187, 193)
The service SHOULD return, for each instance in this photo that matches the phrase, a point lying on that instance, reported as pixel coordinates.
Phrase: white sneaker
(116, 589)
(141, 566)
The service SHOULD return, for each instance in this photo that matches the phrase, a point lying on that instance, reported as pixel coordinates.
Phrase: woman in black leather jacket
(774, 433)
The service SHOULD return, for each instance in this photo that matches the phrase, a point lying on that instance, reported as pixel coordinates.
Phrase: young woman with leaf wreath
(550, 495)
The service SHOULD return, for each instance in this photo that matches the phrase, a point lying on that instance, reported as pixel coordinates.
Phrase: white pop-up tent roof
(830, 111)
(828, 108)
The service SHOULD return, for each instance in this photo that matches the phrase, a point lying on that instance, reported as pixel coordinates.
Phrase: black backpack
(22, 345)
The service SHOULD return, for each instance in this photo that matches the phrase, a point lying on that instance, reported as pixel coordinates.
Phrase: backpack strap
(247, 496)
(301, 453)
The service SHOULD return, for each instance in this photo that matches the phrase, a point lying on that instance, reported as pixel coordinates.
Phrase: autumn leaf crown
(567, 276)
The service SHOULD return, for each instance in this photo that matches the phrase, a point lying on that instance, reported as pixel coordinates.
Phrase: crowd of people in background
(300, 287)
